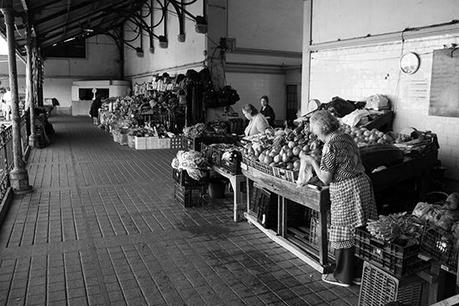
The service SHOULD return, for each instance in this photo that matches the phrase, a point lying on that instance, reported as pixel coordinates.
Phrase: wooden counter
(310, 196)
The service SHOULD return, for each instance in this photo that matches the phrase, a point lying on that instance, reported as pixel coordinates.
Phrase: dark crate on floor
(263, 205)
(190, 196)
(439, 244)
(182, 178)
(380, 288)
(393, 258)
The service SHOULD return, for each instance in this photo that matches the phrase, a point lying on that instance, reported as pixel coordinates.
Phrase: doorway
(292, 102)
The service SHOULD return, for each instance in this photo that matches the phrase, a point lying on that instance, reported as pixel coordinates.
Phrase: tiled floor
(102, 228)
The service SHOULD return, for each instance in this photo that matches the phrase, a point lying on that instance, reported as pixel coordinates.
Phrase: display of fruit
(362, 136)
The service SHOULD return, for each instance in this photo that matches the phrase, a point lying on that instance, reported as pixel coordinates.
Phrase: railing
(6, 153)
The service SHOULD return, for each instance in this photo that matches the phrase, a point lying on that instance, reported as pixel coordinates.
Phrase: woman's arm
(323, 175)
(261, 123)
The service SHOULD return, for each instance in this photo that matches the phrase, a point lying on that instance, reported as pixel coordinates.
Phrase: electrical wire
(399, 74)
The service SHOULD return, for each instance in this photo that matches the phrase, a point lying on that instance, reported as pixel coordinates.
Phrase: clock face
(409, 63)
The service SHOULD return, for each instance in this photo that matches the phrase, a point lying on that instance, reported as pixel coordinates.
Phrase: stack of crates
(187, 191)
(380, 288)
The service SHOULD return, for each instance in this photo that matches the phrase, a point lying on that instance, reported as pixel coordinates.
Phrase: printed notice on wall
(415, 93)
(444, 88)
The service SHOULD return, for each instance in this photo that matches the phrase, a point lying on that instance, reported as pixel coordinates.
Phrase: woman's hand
(308, 158)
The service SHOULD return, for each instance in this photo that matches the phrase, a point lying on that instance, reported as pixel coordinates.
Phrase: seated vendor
(257, 122)
(267, 111)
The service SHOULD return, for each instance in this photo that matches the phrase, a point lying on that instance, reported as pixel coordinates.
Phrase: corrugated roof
(55, 21)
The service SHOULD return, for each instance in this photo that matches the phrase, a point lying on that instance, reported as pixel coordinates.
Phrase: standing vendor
(257, 122)
(351, 194)
(267, 111)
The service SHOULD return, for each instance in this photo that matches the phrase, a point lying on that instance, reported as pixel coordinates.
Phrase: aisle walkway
(102, 228)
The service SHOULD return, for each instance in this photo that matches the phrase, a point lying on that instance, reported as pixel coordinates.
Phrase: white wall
(358, 71)
(102, 62)
(266, 24)
(341, 19)
(251, 87)
(271, 31)
(189, 53)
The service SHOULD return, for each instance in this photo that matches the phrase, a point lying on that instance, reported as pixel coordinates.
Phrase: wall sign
(444, 86)
(409, 63)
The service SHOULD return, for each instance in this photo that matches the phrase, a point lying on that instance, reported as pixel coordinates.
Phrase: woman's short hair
(249, 108)
(265, 98)
(325, 120)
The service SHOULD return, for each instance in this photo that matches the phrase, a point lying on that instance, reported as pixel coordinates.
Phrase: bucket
(217, 189)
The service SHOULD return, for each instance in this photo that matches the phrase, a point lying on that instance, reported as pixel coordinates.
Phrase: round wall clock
(410, 62)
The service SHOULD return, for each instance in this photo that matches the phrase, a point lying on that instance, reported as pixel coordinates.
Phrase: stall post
(19, 177)
(29, 86)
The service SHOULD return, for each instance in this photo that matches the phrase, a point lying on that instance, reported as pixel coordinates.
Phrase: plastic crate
(182, 178)
(439, 244)
(195, 143)
(212, 155)
(176, 142)
(288, 175)
(393, 258)
(190, 196)
(380, 288)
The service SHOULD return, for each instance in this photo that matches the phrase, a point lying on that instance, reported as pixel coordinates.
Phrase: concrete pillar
(29, 87)
(19, 178)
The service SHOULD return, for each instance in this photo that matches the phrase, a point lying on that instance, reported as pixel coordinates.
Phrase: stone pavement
(102, 228)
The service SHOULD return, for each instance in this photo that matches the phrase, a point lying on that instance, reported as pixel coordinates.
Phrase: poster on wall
(444, 87)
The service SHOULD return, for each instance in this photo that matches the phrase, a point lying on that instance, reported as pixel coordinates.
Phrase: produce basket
(183, 179)
(257, 165)
(439, 244)
(380, 288)
(394, 258)
(190, 196)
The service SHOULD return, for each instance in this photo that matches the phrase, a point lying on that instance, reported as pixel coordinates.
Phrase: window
(72, 49)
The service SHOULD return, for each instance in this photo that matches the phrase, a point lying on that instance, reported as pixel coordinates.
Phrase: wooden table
(310, 196)
(238, 202)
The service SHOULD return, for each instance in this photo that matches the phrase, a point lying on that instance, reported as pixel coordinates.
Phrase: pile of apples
(287, 149)
(362, 136)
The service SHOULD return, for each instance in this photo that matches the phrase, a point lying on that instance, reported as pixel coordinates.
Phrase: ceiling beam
(79, 18)
(42, 4)
(76, 30)
(62, 13)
